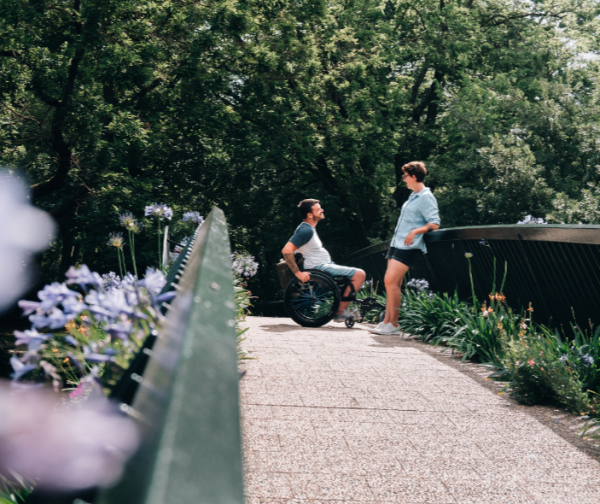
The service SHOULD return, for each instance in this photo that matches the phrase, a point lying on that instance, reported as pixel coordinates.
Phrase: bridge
(332, 414)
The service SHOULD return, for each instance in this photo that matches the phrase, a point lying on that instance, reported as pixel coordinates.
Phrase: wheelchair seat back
(285, 273)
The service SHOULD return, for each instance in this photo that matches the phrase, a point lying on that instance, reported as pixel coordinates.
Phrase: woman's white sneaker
(377, 327)
(388, 329)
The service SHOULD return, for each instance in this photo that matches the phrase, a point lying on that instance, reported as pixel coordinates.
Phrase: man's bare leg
(357, 281)
(393, 281)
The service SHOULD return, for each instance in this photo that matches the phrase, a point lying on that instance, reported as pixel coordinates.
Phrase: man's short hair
(306, 205)
(416, 168)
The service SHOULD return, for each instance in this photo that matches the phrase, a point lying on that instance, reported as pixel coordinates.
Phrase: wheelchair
(315, 303)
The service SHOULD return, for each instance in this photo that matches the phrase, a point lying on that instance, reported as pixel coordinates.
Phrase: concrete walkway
(336, 414)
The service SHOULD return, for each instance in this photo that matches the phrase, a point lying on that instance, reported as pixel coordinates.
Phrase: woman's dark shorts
(410, 257)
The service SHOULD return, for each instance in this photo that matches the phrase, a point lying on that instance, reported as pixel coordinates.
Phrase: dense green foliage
(255, 105)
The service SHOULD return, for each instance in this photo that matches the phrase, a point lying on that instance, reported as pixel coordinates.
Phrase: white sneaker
(377, 328)
(388, 329)
(341, 317)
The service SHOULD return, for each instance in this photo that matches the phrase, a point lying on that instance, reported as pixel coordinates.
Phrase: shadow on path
(281, 328)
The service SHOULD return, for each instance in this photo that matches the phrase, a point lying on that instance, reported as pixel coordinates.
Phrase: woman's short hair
(306, 205)
(416, 168)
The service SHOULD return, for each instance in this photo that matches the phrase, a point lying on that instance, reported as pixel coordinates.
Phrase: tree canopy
(254, 105)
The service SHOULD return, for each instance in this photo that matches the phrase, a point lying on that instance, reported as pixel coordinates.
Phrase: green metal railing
(555, 267)
(186, 403)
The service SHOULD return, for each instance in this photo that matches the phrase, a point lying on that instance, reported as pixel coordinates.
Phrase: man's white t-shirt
(310, 246)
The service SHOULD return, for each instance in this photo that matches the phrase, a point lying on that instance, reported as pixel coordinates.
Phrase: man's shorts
(337, 270)
(409, 257)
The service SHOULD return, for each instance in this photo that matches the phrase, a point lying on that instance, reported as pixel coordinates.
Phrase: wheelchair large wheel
(313, 303)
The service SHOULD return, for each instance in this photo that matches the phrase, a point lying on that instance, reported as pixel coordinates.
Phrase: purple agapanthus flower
(19, 368)
(83, 277)
(64, 449)
(193, 217)
(73, 307)
(75, 361)
(54, 294)
(29, 307)
(128, 280)
(244, 264)
(31, 338)
(96, 357)
(24, 230)
(166, 297)
(120, 329)
(115, 240)
(530, 219)
(109, 305)
(160, 211)
(54, 320)
(111, 280)
(154, 281)
(129, 222)
(419, 284)
(71, 341)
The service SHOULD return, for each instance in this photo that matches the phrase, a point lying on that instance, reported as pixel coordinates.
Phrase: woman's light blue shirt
(421, 208)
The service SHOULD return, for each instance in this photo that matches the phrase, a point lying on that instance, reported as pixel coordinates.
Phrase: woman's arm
(410, 237)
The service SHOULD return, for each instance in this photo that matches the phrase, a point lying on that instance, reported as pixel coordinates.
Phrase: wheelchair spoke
(312, 303)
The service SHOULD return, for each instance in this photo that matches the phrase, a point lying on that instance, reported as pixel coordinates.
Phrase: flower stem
(159, 254)
(475, 303)
(120, 263)
(504, 277)
(132, 248)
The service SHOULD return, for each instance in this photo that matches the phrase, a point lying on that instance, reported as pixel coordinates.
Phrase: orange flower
(70, 325)
(55, 350)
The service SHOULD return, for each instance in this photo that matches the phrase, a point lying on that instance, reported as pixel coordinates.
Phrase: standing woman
(419, 214)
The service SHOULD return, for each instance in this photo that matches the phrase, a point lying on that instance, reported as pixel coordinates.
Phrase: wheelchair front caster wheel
(349, 322)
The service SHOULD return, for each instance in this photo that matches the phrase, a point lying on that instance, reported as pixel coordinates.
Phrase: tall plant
(116, 240)
(130, 223)
(160, 212)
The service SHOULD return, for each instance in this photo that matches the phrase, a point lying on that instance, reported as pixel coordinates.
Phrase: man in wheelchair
(307, 242)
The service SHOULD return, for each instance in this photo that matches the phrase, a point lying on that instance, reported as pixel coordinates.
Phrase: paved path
(333, 414)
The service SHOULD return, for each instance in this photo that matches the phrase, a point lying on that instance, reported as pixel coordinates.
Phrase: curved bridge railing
(555, 267)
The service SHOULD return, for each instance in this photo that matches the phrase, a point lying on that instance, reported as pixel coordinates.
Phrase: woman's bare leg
(393, 281)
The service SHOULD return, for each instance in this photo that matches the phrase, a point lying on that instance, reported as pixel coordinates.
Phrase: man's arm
(288, 255)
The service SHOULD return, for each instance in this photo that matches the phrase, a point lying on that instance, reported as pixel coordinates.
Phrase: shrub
(539, 376)
(581, 353)
(431, 317)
